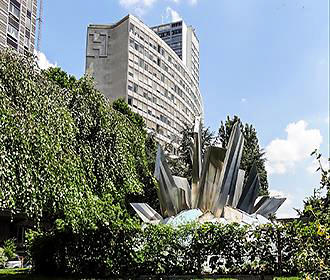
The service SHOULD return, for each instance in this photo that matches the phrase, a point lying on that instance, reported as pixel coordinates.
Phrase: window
(131, 27)
(28, 23)
(141, 63)
(177, 31)
(141, 49)
(26, 41)
(129, 100)
(131, 43)
(131, 57)
(14, 10)
(13, 31)
(12, 43)
(130, 86)
(176, 24)
(135, 88)
(136, 60)
(29, 5)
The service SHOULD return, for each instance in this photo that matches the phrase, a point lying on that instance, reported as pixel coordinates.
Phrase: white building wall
(145, 71)
(18, 24)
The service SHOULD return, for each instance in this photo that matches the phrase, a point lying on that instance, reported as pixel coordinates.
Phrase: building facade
(183, 40)
(18, 24)
(129, 60)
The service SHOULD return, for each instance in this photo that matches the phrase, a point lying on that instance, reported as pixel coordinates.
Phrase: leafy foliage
(149, 194)
(314, 255)
(7, 251)
(251, 151)
(3, 258)
(192, 249)
(68, 159)
(9, 248)
(182, 165)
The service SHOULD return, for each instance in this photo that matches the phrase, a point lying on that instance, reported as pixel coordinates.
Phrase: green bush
(3, 258)
(7, 252)
(9, 248)
(164, 250)
(69, 161)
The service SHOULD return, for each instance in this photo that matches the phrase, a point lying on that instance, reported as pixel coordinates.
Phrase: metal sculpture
(217, 185)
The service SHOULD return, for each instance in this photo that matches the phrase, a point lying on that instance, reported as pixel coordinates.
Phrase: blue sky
(264, 60)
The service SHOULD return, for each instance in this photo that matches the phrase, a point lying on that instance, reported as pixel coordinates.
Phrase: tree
(182, 165)
(314, 232)
(67, 157)
(251, 150)
(149, 194)
(317, 207)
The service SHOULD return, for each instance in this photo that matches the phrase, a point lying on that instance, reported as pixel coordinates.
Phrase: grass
(23, 274)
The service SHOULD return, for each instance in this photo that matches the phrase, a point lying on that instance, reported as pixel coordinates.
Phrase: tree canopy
(68, 158)
(251, 150)
(182, 165)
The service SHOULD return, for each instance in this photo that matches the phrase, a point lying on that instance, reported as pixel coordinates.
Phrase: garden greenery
(72, 163)
(68, 160)
(192, 249)
(7, 251)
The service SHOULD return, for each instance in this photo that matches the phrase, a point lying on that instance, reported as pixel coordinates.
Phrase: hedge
(163, 250)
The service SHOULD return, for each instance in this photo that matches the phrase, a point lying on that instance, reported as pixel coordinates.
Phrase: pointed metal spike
(212, 167)
(250, 191)
(269, 206)
(146, 213)
(196, 162)
(231, 166)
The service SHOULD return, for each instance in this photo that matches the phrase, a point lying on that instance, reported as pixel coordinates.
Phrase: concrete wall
(106, 58)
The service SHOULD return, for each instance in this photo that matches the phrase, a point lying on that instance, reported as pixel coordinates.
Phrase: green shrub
(9, 248)
(3, 258)
(164, 250)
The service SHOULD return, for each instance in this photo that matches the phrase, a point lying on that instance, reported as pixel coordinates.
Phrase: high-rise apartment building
(183, 40)
(18, 24)
(158, 78)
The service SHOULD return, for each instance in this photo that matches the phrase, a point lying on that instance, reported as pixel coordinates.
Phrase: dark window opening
(11, 42)
(129, 100)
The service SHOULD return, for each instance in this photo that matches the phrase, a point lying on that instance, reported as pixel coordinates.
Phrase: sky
(266, 61)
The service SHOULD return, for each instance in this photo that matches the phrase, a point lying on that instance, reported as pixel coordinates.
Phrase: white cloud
(139, 7)
(283, 154)
(243, 100)
(172, 14)
(43, 62)
(286, 209)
